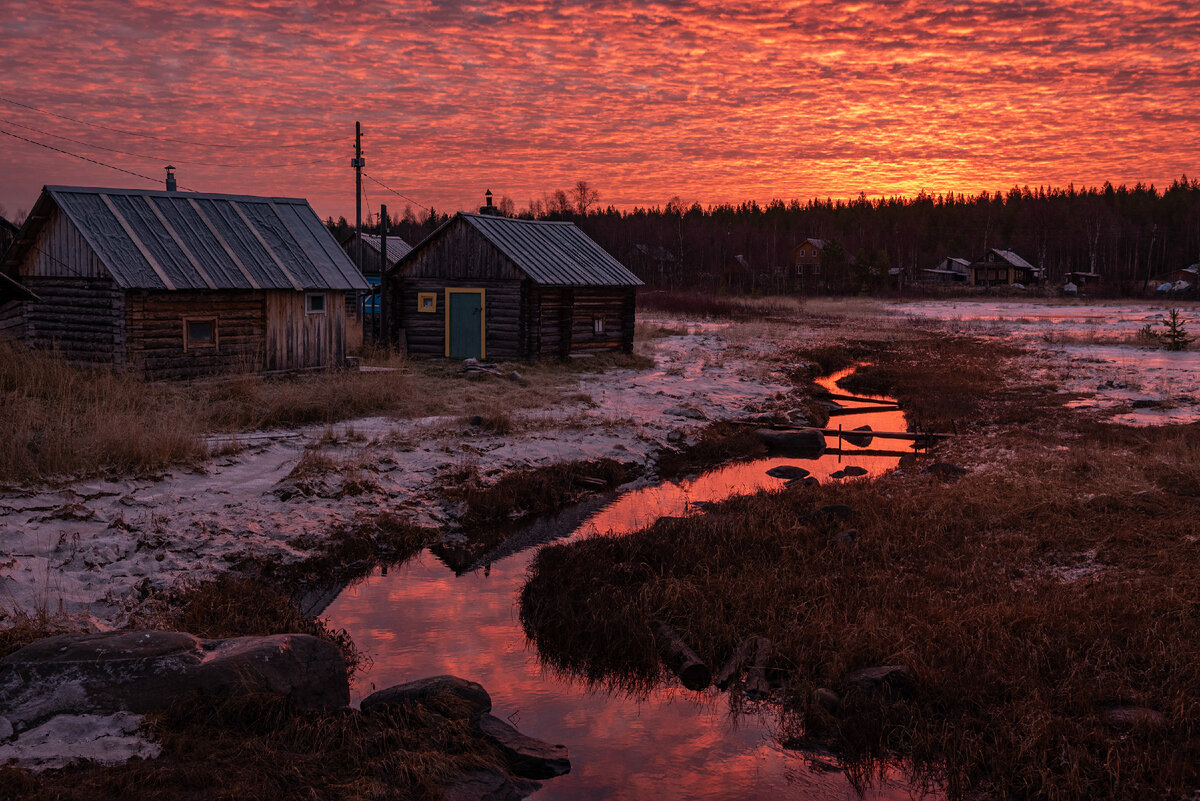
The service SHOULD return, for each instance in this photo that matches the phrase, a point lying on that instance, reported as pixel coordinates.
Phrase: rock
(143, 671)
(1146, 403)
(846, 538)
(685, 411)
(477, 420)
(854, 470)
(470, 362)
(890, 680)
(838, 474)
(946, 471)
(860, 436)
(484, 784)
(6, 729)
(446, 695)
(516, 377)
(804, 442)
(826, 700)
(798, 418)
(807, 481)
(1129, 717)
(787, 471)
(526, 757)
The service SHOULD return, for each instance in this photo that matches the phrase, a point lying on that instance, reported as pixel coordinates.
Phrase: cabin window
(801, 252)
(597, 325)
(199, 334)
(426, 301)
(314, 303)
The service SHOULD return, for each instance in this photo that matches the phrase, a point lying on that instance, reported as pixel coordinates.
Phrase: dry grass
(539, 490)
(61, 422)
(697, 306)
(265, 748)
(1029, 597)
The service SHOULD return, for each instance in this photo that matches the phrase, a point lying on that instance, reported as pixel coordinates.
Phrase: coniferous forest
(1128, 236)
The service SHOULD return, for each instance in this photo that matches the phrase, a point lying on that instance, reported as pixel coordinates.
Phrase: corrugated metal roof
(1013, 259)
(552, 253)
(150, 239)
(397, 247)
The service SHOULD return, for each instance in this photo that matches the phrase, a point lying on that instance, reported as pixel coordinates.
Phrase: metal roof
(551, 253)
(154, 239)
(1013, 258)
(397, 247)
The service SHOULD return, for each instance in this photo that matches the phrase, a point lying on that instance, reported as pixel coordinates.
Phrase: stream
(422, 619)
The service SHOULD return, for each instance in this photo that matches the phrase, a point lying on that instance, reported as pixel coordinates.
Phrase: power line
(161, 158)
(397, 194)
(162, 138)
(85, 158)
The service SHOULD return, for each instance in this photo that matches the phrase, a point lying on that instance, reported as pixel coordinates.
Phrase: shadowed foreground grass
(1057, 580)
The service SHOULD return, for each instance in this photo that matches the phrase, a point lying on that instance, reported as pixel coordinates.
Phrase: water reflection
(423, 620)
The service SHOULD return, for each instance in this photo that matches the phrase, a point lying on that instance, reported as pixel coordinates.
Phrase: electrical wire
(168, 159)
(67, 152)
(397, 194)
(164, 138)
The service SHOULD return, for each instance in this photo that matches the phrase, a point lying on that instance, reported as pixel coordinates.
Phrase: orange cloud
(710, 101)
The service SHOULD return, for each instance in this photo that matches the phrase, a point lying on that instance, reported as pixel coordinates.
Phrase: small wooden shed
(176, 284)
(494, 287)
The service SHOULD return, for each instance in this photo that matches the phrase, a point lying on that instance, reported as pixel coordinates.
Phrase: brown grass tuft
(1028, 597)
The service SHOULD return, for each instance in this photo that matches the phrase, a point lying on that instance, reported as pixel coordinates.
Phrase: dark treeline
(1127, 235)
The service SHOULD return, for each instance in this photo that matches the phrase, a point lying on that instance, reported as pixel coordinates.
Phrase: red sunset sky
(719, 101)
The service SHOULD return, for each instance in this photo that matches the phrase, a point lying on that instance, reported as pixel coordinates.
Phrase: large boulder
(807, 443)
(447, 695)
(143, 671)
(488, 784)
(526, 757)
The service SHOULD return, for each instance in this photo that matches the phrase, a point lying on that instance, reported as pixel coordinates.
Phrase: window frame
(309, 297)
(213, 341)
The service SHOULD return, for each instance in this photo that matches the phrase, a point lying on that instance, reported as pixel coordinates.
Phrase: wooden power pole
(385, 329)
(358, 162)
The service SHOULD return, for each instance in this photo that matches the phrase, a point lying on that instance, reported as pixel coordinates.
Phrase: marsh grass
(974, 584)
(62, 422)
(264, 747)
(535, 491)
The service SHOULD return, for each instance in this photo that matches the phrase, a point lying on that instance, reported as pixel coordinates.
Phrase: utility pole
(385, 331)
(358, 163)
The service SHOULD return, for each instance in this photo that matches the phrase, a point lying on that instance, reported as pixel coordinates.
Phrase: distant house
(362, 308)
(949, 271)
(176, 284)
(397, 249)
(494, 287)
(1003, 268)
(1182, 280)
(1082, 278)
(807, 258)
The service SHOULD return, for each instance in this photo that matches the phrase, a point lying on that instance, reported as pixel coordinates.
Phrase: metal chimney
(489, 208)
(170, 178)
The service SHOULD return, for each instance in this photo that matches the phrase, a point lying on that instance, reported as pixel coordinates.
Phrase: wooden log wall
(616, 306)
(83, 319)
(354, 319)
(296, 340)
(155, 332)
(12, 321)
(425, 332)
(61, 252)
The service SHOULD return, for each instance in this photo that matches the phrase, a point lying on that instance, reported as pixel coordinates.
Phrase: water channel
(422, 619)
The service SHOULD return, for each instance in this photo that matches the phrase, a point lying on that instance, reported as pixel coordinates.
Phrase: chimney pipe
(488, 197)
(170, 178)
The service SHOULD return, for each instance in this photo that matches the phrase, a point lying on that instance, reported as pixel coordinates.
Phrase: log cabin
(487, 286)
(168, 284)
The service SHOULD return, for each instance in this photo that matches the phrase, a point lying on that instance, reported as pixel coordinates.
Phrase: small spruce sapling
(1175, 336)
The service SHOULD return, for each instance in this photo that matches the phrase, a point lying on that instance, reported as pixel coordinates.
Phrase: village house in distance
(171, 284)
(487, 286)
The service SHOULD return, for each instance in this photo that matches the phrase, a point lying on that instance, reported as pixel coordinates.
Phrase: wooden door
(465, 324)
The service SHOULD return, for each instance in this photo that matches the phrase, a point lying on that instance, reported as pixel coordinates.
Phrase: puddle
(423, 620)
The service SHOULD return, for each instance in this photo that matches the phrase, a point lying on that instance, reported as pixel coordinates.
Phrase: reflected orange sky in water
(423, 620)
(709, 101)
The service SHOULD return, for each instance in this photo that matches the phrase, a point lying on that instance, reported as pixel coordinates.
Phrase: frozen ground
(94, 548)
(1091, 349)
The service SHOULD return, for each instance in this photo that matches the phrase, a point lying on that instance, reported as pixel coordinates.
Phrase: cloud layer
(711, 101)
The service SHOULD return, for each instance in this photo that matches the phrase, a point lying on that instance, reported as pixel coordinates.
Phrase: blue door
(464, 325)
